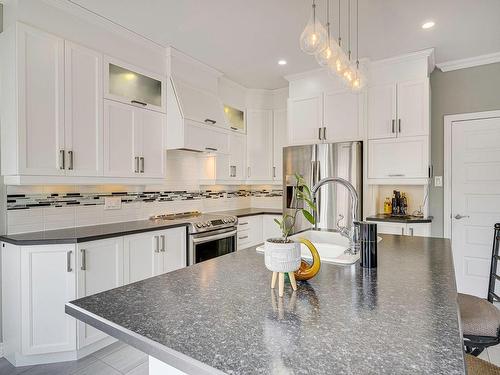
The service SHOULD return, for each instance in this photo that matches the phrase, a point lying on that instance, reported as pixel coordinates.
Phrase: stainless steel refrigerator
(314, 162)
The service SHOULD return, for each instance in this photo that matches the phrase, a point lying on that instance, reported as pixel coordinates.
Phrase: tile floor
(115, 359)
(121, 359)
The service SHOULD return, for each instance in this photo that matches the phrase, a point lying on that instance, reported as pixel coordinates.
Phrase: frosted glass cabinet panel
(131, 85)
(235, 118)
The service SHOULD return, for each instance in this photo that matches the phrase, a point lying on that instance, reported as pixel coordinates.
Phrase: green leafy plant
(302, 194)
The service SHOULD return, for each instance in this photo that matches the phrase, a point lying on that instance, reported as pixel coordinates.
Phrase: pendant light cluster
(317, 40)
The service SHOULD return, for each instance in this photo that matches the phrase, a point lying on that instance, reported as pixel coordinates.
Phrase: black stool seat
(479, 317)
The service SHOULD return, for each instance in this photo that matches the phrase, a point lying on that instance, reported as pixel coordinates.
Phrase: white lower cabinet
(403, 229)
(37, 282)
(99, 268)
(269, 227)
(249, 231)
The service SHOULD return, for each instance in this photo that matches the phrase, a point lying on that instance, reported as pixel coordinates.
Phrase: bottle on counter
(404, 204)
(388, 206)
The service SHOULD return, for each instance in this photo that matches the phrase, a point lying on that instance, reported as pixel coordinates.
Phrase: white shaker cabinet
(40, 113)
(403, 158)
(99, 268)
(231, 167)
(259, 145)
(279, 141)
(341, 116)
(48, 281)
(305, 119)
(174, 249)
(150, 143)
(83, 111)
(382, 111)
(203, 138)
(405, 229)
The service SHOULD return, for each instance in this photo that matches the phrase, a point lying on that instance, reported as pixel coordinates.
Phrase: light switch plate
(112, 203)
(438, 181)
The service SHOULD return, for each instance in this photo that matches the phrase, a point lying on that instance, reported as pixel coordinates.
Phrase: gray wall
(460, 91)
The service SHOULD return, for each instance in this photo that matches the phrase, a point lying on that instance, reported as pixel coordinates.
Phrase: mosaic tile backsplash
(30, 201)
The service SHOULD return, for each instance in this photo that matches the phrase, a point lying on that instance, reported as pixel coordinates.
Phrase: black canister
(368, 244)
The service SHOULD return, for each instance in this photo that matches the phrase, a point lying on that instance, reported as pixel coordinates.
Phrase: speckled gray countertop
(221, 315)
(98, 232)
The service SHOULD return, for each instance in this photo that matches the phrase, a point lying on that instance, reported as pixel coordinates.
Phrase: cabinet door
(83, 111)
(419, 230)
(99, 268)
(269, 227)
(341, 116)
(250, 230)
(237, 155)
(279, 141)
(305, 119)
(141, 256)
(413, 108)
(174, 249)
(48, 282)
(151, 126)
(391, 228)
(260, 145)
(398, 158)
(382, 111)
(41, 102)
(203, 138)
(119, 140)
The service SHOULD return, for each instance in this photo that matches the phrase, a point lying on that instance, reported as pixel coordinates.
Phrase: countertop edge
(172, 357)
(398, 220)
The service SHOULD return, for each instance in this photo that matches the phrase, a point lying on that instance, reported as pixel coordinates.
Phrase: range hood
(195, 119)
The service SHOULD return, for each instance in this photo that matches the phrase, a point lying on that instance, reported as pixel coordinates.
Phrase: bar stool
(480, 318)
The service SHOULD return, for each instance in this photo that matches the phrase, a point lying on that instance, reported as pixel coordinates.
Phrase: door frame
(449, 120)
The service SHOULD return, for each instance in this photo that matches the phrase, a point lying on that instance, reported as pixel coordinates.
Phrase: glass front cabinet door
(133, 85)
(235, 118)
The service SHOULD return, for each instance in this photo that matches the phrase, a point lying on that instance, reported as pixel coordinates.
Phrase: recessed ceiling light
(282, 62)
(428, 25)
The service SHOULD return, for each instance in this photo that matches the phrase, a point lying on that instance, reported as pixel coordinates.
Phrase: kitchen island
(220, 316)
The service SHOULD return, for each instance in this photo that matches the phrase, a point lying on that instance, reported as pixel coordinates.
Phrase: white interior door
(475, 202)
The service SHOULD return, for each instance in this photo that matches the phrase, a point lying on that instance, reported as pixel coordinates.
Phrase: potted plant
(282, 255)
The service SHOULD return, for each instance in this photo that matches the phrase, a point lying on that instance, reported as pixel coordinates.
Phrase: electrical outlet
(112, 203)
(438, 181)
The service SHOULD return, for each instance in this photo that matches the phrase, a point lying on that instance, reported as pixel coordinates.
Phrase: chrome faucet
(349, 232)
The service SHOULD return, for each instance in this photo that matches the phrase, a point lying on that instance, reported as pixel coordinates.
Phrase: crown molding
(426, 53)
(175, 53)
(469, 62)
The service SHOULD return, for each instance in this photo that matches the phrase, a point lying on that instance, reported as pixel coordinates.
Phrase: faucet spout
(354, 207)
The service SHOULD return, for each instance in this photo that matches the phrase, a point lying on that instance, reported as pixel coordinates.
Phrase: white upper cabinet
(199, 105)
(341, 114)
(202, 138)
(235, 118)
(259, 145)
(132, 85)
(382, 111)
(413, 108)
(279, 141)
(83, 111)
(231, 167)
(150, 141)
(398, 109)
(40, 78)
(305, 119)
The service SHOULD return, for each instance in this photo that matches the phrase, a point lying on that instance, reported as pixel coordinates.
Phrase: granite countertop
(98, 232)
(221, 315)
(401, 219)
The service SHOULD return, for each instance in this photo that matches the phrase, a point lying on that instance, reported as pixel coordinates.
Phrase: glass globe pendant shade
(349, 74)
(314, 37)
(359, 81)
(339, 64)
(327, 54)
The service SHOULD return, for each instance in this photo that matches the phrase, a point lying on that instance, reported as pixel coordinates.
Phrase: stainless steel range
(209, 235)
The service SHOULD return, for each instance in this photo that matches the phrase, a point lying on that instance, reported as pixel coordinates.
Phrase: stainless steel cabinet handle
(248, 171)
(396, 175)
(163, 243)
(399, 125)
(84, 260)
(68, 261)
(411, 231)
(458, 216)
(242, 237)
(211, 148)
(402, 231)
(243, 223)
(233, 128)
(209, 121)
(62, 164)
(142, 164)
(274, 172)
(157, 244)
(136, 164)
(70, 156)
(324, 133)
(319, 134)
(393, 123)
(138, 102)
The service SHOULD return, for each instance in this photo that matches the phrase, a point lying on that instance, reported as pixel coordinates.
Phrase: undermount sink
(331, 246)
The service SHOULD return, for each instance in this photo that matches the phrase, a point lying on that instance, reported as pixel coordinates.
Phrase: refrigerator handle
(318, 195)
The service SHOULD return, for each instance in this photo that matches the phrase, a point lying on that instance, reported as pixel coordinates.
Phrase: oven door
(210, 245)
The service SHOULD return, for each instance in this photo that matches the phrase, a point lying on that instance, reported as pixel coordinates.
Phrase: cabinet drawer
(249, 231)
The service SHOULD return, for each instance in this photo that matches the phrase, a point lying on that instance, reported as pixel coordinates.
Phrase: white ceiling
(245, 38)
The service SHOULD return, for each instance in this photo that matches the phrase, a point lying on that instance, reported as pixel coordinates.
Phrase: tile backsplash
(47, 211)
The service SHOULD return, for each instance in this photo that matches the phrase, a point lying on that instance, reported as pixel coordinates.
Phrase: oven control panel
(222, 222)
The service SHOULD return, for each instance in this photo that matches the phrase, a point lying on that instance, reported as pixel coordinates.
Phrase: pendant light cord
(349, 27)
(328, 20)
(314, 15)
(357, 34)
(340, 17)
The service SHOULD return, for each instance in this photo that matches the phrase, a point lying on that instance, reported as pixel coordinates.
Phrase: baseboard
(1, 349)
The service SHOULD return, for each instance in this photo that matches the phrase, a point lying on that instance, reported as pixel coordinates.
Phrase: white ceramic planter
(282, 257)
